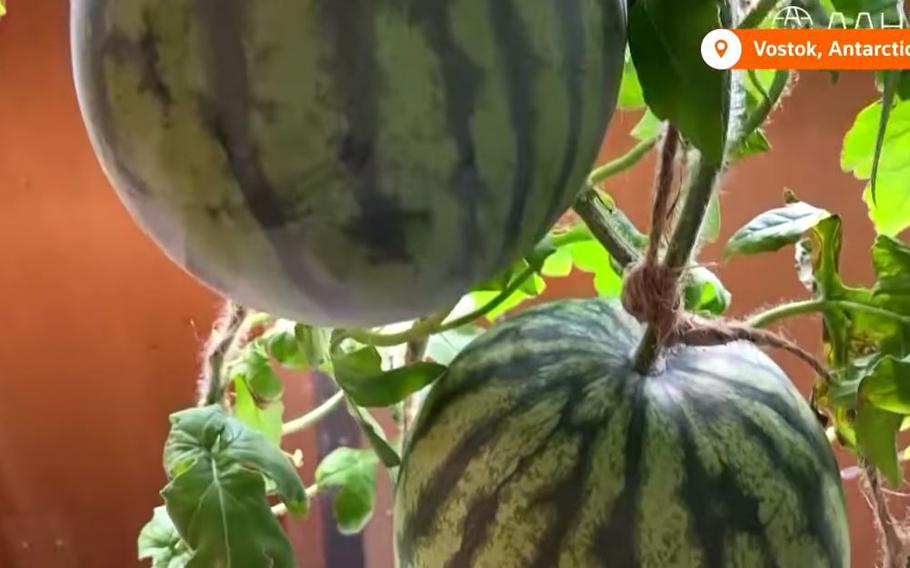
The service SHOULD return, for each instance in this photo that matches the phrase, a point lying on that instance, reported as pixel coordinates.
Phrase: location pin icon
(721, 47)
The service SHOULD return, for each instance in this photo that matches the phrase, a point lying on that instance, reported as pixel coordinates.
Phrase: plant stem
(783, 311)
(281, 509)
(594, 212)
(313, 416)
(699, 190)
(226, 334)
(792, 309)
(769, 100)
(623, 162)
(494, 303)
(421, 328)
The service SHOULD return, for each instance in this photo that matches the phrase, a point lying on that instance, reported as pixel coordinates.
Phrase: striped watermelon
(347, 162)
(542, 448)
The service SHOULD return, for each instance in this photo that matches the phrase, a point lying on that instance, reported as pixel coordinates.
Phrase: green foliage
(775, 229)
(254, 369)
(216, 496)
(352, 473)
(704, 292)
(361, 376)
(375, 436)
(263, 417)
(866, 334)
(630, 95)
(160, 542)
(890, 210)
(647, 127)
(665, 41)
(876, 438)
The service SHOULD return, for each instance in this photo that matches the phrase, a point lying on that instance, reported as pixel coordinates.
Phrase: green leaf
(665, 40)
(444, 347)
(630, 96)
(704, 292)
(891, 258)
(353, 473)
(375, 436)
(647, 127)
(266, 419)
(216, 496)
(775, 229)
(890, 210)
(876, 437)
(591, 257)
(281, 343)
(254, 368)
(160, 542)
(559, 264)
(887, 386)
(385, 388)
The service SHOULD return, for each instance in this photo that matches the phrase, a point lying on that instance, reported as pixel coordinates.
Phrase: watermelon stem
(594, 212)
(224, 339)
(624, 162)
(698, 191)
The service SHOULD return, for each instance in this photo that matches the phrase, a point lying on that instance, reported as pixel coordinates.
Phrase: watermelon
(348, 162)
(541, 447)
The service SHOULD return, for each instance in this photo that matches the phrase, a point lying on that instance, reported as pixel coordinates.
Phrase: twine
(652, 290)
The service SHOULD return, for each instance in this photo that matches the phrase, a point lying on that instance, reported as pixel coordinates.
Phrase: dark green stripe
(228, 109)
(805, 478)
(571, 24)
(461, 82)
(380, 221)
(618, 543)
(422, 522)
(716, 504)
(519, 65)
(482, 510)
(705, 383)
(566, 498)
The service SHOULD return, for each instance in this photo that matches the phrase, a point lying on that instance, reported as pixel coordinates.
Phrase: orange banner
(834, 49)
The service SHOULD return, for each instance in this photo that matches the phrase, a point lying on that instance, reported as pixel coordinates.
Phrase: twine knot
(651, 294)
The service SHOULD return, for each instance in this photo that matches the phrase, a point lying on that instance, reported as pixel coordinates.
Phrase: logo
(793, 18)
(721, 49)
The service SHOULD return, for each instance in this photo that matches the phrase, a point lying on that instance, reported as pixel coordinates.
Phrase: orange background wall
(101, 333)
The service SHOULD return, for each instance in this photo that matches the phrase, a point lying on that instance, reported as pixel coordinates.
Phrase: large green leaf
(892, 266)
(665, 41)
(160, 542)
(352, 473)
(890, 210)
(361, 376)
(216, 496)
(876, 436)
(887, 385)
(774, 229)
